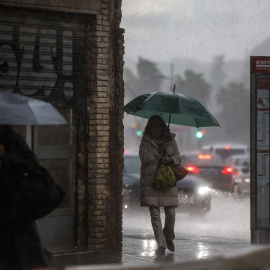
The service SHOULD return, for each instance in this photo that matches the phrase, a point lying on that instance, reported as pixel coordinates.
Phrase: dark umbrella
(21, 110)
(173, 108)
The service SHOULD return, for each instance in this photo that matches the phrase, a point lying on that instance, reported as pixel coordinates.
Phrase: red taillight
(235, 172)
(227, 170)
(193, 169)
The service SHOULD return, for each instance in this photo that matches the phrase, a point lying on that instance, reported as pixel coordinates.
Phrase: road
(228, 217)
(224, 229)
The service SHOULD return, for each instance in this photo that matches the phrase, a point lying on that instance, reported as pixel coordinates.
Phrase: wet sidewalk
(139, 249)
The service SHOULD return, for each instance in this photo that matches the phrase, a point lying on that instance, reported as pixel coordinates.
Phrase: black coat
(20, 244)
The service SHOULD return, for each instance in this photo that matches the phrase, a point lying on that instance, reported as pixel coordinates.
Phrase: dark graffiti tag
(57, 60)
(18, 52)
(36, 66)
(41, 65)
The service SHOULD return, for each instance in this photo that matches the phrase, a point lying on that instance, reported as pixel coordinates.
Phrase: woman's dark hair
(164, 128)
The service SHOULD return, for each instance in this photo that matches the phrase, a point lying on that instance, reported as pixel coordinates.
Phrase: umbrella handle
(168, 128)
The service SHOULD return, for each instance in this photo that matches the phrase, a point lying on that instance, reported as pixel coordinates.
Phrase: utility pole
(172, 75)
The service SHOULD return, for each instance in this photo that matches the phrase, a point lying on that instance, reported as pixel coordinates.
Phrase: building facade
(70, 53)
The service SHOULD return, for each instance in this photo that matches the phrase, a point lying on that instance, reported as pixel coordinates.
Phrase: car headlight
(203, 190)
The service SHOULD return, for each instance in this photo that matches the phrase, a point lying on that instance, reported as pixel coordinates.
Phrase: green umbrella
(173, 108)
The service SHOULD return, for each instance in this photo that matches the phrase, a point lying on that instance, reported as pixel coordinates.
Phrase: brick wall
(99, 161)
(105, 110)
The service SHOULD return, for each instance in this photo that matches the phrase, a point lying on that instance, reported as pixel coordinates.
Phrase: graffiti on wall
(42, 61)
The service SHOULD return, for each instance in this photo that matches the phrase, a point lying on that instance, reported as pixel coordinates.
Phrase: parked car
(194, 194)
(210, 168)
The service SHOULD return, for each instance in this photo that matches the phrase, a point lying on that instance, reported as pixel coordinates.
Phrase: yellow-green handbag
(164, 177)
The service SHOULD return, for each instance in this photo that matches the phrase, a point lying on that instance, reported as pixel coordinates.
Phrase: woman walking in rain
(156, 141)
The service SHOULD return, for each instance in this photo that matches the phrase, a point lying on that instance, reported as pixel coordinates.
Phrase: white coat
(150, 161)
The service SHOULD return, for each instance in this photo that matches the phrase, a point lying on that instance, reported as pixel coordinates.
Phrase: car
(239, 163)
(211, 169)
(241, 185)
(225, 150)
(193, 192)
(194, 195)
(241, 174)
(131, 181)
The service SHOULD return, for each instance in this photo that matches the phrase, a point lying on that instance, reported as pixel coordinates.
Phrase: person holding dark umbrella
(20, 203)
(161, 108)
(155, 142)
(20, 244)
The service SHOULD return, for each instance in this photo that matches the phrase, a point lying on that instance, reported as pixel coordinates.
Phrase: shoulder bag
(34, 195)
(179, 171)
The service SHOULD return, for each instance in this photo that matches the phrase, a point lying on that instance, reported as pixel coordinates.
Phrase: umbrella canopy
(173, 108)
(21, 110)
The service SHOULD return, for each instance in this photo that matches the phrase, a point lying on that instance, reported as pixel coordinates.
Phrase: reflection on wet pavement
(224, 229)
(148, 248)
(167, 258)
(202, 251)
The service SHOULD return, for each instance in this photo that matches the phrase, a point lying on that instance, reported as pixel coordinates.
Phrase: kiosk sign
(260, 148)
(260, 64)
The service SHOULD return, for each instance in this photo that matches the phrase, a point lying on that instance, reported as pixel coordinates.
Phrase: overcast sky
(161, 30)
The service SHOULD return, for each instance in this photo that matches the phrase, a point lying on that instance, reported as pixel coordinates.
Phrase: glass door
(55, 148)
